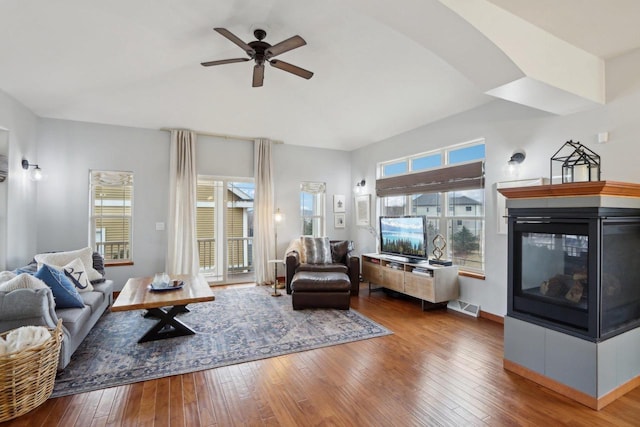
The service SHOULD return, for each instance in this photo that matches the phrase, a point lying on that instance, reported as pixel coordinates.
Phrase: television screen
(404, 235)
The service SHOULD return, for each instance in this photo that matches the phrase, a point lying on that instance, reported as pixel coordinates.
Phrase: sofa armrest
(292, 262)
(27, 307)
(354, 274)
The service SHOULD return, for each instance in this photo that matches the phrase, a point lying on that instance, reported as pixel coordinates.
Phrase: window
(467, 235)
(312, 208)
(111, 213)
(466, 154)
(426, 162)
(450, 195)
(395, 168)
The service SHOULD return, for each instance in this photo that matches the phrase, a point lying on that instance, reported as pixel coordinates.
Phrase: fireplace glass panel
(555, 267)
(620, 277)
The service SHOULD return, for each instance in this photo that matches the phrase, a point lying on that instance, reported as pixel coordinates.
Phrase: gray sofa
(37, 307)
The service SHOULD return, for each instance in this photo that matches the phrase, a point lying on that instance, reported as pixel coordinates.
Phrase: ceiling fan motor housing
(259, 34)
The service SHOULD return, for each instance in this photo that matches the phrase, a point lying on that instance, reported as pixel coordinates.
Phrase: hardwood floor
(438, 368)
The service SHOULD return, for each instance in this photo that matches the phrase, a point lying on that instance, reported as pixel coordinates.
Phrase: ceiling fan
(262, 52)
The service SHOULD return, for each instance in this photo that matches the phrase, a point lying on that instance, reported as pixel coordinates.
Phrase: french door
(224, 223)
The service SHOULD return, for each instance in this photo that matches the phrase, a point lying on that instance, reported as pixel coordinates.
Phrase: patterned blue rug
(241, 325)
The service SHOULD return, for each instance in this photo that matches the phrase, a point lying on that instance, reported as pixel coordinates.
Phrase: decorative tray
(170, 286)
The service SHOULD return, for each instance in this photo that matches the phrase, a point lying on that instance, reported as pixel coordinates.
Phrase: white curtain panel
(182, 256)
(263, 231)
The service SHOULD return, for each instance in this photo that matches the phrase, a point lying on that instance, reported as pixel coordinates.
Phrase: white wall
(20, 210)
(505, 127)
(295, 164)
(70, 149)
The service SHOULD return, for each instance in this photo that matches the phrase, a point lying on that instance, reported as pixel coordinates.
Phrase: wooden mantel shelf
(574, 189)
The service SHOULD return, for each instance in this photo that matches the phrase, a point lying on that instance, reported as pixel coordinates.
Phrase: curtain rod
(221, 135)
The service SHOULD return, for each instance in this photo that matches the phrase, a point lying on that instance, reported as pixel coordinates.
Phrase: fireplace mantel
(574, 189)
(594, 194)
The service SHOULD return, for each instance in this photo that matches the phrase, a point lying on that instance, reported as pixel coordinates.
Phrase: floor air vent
(465, 307)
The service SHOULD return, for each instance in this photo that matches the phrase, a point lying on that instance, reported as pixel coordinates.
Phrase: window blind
(111, 178)
(458, 177)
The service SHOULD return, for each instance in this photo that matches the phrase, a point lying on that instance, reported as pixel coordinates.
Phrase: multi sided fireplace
(576, 270)
(573, 313)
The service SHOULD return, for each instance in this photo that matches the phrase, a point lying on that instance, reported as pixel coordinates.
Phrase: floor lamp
(277, 219)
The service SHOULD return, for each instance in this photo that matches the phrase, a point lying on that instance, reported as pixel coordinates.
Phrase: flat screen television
(404, 236)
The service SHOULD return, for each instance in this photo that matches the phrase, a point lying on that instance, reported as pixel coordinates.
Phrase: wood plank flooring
(438, 368)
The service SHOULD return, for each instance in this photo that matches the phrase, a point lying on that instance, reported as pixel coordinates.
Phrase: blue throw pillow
(64, 292)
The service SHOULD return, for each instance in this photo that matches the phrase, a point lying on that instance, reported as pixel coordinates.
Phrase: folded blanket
(24, 337)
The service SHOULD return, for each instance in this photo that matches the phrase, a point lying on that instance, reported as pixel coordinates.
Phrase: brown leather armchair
(343, 262)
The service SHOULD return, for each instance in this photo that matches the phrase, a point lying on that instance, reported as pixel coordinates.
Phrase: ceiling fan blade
(258, 75)
(285, 46)
(305, 74)
(229, 35)
(224, 61)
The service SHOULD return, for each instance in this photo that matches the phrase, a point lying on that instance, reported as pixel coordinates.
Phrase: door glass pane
(209, 194)
(239, 231)
(224, 226)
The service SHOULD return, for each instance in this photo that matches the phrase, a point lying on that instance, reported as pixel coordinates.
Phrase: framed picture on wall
(338, 203)
(339, 220)
(363, 206)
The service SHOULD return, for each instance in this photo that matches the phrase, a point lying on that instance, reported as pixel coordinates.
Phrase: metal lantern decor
(578, 163)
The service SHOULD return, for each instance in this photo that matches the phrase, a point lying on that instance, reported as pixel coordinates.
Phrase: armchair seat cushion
(327, 268)
(307, 281)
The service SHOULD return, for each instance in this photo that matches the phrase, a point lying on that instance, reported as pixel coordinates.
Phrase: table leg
(174, 327)
(149, 315)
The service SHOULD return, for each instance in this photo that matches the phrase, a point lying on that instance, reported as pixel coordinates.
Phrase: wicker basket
(27, 377)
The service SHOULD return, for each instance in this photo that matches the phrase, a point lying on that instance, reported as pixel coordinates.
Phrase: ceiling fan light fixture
(261, 52)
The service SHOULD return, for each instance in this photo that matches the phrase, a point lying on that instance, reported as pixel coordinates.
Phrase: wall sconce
(360, 186)
(513, 165)
(36, 173)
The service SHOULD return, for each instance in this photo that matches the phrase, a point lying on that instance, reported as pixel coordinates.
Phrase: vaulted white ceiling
(381, 68)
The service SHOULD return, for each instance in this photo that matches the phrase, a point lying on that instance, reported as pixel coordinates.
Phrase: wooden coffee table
(164, 305)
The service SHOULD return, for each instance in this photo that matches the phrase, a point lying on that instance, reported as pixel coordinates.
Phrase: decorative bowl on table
(162, 282)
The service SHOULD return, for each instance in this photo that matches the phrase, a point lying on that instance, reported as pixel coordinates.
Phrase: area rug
(241, 325)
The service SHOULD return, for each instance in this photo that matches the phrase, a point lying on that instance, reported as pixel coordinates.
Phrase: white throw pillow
(60, 259)
(76, 272)
(22, 281)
